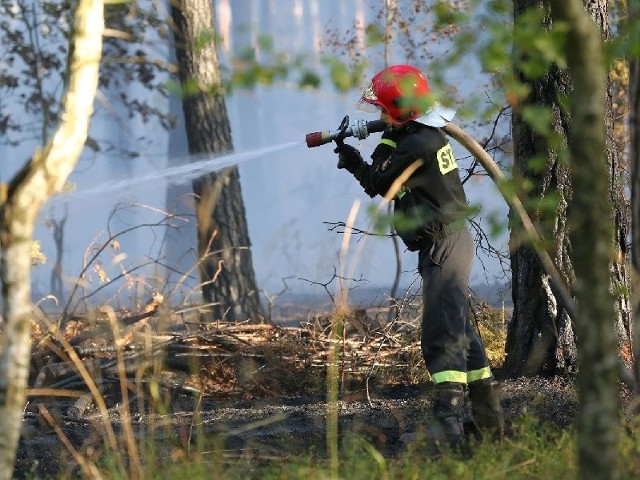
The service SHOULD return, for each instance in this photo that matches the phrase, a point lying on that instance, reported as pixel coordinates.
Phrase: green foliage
(445, 14)
(537, 163)
(251, 68)
(185, 89)
(401, 221)
(548, 204)
(536, 48)
(374, 35)
(206, 37)
(538, 117)
(309, 79)
(344, 76)
(495, 57)
(625, 41)
(497, 224)
(253, 73)
(532, 45)
(265, 65)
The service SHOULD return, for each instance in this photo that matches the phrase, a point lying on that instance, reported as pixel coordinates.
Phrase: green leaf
(374, 35)
(548, 204)
(537, 163)
(539, 118)
(446, 14)
(265, 41)
(537, 43)
(206, 37)
(381, 221)
(497, 224)
(343, 77)
(309, 79)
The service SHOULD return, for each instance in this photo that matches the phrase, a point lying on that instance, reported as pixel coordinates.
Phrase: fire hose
(555, 281)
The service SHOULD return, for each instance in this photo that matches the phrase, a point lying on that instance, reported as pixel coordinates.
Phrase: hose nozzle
(360, 129)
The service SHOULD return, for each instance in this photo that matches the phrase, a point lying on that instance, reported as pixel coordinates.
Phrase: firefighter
(430, 217)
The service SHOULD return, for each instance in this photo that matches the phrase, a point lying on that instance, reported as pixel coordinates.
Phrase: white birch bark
(20, 202)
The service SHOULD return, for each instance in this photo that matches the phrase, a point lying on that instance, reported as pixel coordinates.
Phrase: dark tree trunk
(634, 153)
(226, 266)
(541, 338)
(56, 285)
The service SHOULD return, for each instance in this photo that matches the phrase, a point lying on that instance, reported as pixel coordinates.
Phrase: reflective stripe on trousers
(451, 347)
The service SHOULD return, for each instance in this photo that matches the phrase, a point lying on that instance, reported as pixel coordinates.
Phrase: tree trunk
(541, 337)
(226, 266)
(591, 234)
(634, 154)
(20, 203)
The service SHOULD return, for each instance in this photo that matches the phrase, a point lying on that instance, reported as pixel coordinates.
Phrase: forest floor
(259, 391)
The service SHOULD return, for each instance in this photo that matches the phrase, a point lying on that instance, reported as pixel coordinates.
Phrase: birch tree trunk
(224, 248)
(20, 202)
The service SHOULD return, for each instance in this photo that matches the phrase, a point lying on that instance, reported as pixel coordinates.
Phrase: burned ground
(255, 391)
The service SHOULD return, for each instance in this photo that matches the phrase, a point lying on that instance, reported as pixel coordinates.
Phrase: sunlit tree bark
(20, 202)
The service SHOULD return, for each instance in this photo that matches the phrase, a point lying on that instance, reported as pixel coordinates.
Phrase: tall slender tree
(20, 202)
(541, 336)
(226, 267)
(634, 154)
(590, 232)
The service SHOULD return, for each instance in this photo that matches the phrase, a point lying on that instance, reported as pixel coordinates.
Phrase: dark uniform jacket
(432, 201)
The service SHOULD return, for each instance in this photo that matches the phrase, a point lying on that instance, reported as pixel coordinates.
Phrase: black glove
(349, 157)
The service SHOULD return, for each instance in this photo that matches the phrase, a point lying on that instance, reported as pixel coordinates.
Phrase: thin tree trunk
(56, 284)
(591, 234)
(20, 203)
(224, 247)
(634, 153)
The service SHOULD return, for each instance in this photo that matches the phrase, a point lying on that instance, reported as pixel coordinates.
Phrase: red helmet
(400, 91)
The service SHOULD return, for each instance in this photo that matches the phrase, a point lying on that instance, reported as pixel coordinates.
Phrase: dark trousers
(452, 349)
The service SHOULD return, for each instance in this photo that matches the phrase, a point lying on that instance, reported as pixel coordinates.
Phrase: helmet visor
(369, 101)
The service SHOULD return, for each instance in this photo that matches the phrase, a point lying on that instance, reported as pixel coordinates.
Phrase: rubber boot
(445, 431)
(448, 429)
(486, 411)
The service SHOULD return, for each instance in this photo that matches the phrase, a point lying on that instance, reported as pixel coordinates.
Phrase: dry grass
(117, 369)
(266, 360)
(489, 322)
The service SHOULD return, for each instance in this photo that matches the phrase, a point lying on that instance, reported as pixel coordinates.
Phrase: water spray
(190, 167)
(360, 129)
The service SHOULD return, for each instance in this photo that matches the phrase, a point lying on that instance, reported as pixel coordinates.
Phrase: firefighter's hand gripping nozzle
(360, 129)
